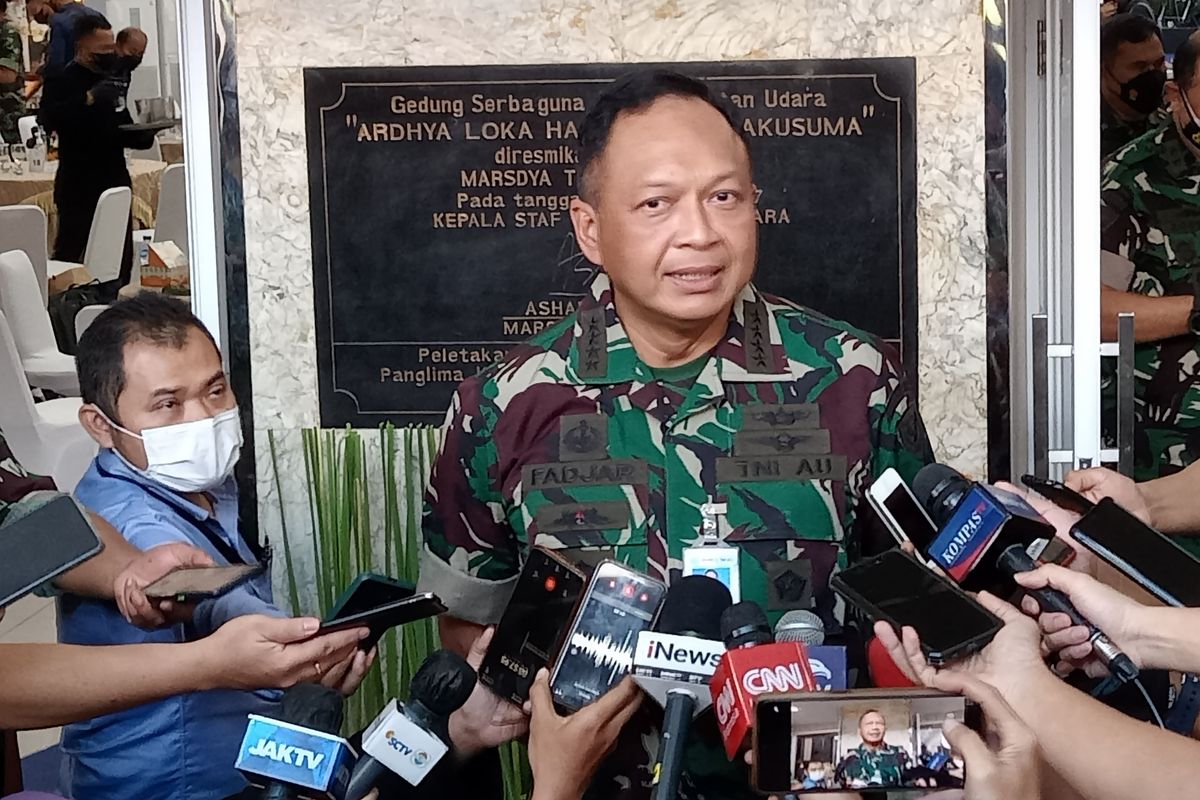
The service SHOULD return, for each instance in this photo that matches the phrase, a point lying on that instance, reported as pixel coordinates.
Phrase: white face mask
(191, 456)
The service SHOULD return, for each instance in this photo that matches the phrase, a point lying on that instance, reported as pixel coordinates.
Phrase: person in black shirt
(81, 104)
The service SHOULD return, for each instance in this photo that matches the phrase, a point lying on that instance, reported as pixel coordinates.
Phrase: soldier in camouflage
(676, 386)
(874, 762)
(1132, 75)
(12, 78)
(1150, 216)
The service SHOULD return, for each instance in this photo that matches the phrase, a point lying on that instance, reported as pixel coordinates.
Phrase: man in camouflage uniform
(1150, 216)
(677, 385)
(874, 762)
(1132, 75)
(12, 79)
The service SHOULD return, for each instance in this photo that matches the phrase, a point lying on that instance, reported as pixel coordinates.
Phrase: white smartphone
(897, 506)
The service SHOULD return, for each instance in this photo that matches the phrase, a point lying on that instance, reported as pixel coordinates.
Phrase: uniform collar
(751, 352)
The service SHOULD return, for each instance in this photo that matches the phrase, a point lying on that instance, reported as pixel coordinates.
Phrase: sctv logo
(419, 757)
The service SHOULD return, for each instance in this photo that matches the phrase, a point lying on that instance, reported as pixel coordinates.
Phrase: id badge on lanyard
(710, 556)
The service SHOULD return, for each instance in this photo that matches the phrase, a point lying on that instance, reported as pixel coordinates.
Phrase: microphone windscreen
(745, 624)
(884, 672)
(925, 483)
(443, 683)
(800, 626)
(693, 607)
(313, 706)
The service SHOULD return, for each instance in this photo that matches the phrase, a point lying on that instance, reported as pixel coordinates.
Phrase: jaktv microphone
(300, 754)
(410, 738)
(828, 662)
(983, 538)
(674, 663)
(748, 671)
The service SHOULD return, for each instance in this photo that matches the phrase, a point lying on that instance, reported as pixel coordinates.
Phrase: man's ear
(94, 422)
(587, 230)
(1174, 96)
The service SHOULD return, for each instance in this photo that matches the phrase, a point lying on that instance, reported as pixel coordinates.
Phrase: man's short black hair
(633, 92)
(146, 316)
(87, 24)
(1184, 63)
(1122, 28)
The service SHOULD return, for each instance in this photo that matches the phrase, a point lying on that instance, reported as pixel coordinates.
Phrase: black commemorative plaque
(441, 236)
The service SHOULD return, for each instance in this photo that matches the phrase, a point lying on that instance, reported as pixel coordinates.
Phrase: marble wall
(275, 41)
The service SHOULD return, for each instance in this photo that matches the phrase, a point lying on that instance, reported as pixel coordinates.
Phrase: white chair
(151, 153)
(85, 317)
(29, 323)
(170, 220)
(24, 228)
(25, 126)
(106, 239)
(46, 438)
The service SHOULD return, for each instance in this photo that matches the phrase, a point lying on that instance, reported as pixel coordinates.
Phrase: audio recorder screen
(619, 604)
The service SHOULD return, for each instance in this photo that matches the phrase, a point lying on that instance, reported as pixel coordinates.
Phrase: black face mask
(1144, 92)
(105, 63)
(127, 64)
(1191, 128)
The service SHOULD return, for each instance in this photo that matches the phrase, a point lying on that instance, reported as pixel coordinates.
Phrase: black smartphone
(1058, 493)
(618, 604)
(1149, 558)
(533, 625)
(862, 740)
(194, 584)
(387, 616)
(42, 545)
(895, 587)
(367, 591)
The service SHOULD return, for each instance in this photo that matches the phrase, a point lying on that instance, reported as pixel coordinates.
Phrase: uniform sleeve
(10, 48)
(899, 438)
(1122, 230)
(470, 556)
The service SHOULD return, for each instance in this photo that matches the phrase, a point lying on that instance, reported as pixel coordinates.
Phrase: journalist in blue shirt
(62, 16)
(156, 399)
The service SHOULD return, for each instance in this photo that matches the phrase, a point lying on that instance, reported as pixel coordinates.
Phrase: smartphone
(42, 545)
(897, 506)
(617, 605)
(193, 584)
(1149, 558)
(895, 587)
(533, 626)
(367, 591)
(869, 739)
(1058, 493)
(387, 616)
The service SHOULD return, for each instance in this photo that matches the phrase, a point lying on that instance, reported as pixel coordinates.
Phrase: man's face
(673, 217)
(1131, 60)
(40, 10)
(93, 47)
(133, 46)
(872, 728)
(165, 385)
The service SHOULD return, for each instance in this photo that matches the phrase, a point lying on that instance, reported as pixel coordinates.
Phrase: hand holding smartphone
(193, 584)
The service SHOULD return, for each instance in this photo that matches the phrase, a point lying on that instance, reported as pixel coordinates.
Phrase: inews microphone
(410, 738)
(673, 664)
(828, 662)
(748, 671)
(298, 756)
(983, 538)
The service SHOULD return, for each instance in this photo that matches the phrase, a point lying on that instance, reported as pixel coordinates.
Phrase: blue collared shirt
(61, 50)
(183, 747)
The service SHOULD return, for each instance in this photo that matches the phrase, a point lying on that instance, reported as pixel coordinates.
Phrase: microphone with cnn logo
(754, 664)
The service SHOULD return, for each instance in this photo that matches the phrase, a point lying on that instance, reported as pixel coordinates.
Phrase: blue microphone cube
(317, 764)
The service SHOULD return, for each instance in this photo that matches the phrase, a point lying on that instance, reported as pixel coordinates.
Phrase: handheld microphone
(411, 738)
(983, 540)
(675, 662)
(748, 671)
(828, 662)
(298, 756)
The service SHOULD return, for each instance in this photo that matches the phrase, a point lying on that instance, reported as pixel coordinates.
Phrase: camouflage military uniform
(1150, 214)
(1115, 132)
(12, 97)
(571, 444)
(878, 766)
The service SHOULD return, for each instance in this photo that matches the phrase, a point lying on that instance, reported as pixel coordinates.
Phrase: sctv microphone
(299, 756)
(828, 662)
(410, 738)
(753, 664)
(983, 538)
(674, 663)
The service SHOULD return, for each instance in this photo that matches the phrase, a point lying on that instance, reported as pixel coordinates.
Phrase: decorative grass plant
(348, 540)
